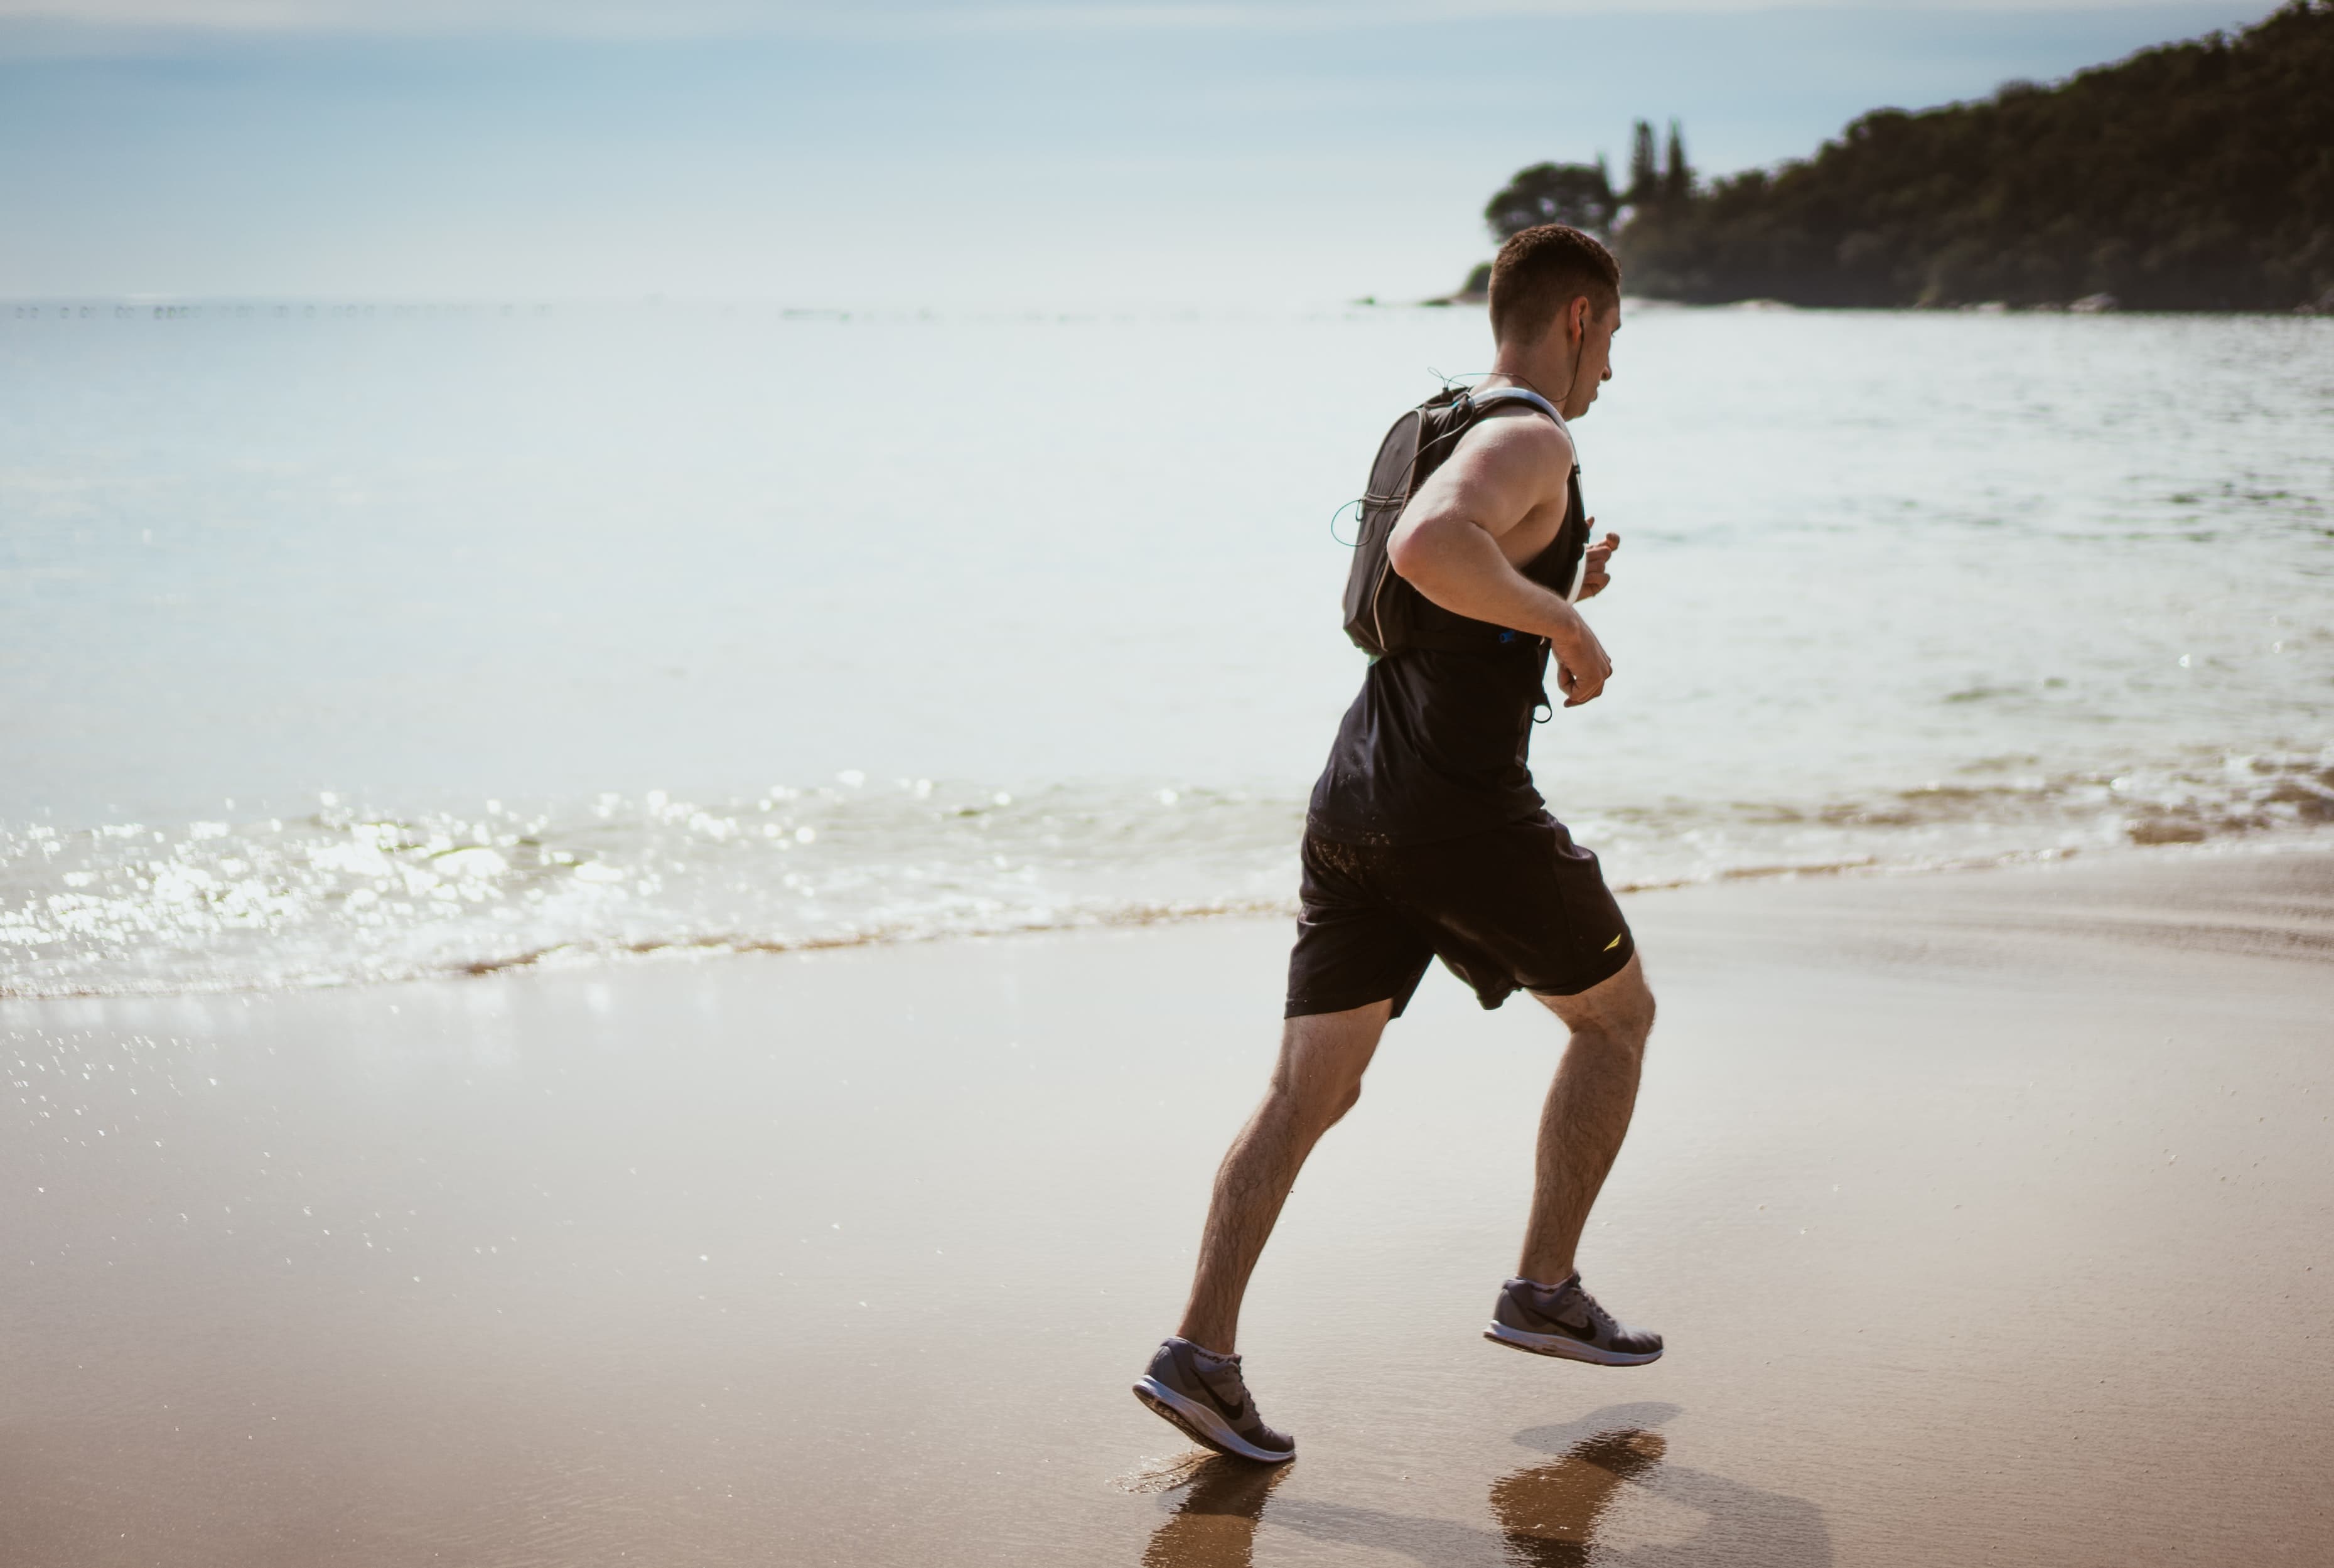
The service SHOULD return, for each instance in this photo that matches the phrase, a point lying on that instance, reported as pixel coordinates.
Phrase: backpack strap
(1524, 394)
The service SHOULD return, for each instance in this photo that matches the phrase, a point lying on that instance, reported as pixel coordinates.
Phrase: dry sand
(1988, 1215)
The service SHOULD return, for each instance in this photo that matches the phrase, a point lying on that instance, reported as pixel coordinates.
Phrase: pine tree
(1643, 177)
(1677, 180)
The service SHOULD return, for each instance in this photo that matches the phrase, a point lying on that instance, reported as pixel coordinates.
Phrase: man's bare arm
(1447, 544)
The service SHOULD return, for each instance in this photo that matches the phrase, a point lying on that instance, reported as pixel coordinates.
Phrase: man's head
(1555, 304)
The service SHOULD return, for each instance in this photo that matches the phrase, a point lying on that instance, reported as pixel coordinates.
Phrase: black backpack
(1384, 613)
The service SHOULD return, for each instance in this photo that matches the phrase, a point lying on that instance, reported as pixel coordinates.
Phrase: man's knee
(1630, 1015)
(1317, 1101)
(1345, 1101)
(1323, 1056)
(1619, 1009)
(1638, 1009)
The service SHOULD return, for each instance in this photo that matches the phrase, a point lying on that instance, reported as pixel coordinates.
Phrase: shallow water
(348, 642)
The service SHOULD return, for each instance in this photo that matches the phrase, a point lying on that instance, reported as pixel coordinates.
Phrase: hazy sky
(895, 154)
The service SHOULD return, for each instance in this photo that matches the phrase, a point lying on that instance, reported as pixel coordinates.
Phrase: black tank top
(1435, 744)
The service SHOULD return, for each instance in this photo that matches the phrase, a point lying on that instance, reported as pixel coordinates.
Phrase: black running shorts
(1518, 908)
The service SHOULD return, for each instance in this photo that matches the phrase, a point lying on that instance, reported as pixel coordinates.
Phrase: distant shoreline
(2188, 178)
(1975, 307)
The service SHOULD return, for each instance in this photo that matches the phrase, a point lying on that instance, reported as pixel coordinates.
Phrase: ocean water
(354, 642)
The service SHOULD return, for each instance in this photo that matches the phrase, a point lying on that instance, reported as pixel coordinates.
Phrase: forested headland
(2196, 176)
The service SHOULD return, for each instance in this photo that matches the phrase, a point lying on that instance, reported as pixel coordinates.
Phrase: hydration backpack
(1384, 613)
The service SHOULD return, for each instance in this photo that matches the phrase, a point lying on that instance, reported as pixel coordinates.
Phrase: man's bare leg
(1315, 1082)
(1586, 1115)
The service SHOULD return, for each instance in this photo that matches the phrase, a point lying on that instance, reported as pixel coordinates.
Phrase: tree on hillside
(1579, 194)
(1677, 179)
(1644, 176)
(2196, 176)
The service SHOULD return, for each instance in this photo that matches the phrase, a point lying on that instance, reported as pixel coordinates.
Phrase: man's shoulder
(1517, 434)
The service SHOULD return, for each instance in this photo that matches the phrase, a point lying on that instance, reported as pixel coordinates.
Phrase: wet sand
(1989, 1216)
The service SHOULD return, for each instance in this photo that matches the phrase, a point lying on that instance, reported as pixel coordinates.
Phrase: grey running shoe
(1566, 1320)
(1209, 1403)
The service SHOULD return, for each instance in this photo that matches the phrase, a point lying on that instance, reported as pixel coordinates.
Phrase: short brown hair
(1540, 271)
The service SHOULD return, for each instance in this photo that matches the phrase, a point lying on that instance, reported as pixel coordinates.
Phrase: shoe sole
(1565, 1348)
(1202, 1425)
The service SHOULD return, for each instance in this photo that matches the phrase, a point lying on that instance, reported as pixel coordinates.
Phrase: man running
(1425, 838)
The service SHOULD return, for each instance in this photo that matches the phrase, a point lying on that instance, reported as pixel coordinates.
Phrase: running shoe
(1208, 1400)
(1566, 1320)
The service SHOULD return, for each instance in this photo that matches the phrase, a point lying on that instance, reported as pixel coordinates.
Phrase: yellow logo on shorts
(1614, 942)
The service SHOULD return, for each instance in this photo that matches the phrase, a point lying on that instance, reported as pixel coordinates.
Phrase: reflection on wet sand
(1549, 1513)
(1215, 1524)
(1572, 1509)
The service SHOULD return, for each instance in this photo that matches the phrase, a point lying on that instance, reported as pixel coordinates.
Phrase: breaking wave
(354, 893)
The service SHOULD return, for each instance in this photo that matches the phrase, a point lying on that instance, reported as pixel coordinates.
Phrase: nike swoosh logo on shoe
(1230, 1409)
(1585, 1332)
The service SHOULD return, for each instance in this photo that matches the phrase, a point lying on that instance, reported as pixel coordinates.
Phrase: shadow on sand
(1547, 1515)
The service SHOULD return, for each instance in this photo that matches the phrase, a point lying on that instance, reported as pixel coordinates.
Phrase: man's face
(1594, 368)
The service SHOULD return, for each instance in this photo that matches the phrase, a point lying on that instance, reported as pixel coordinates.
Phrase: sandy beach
(1987, 1214)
